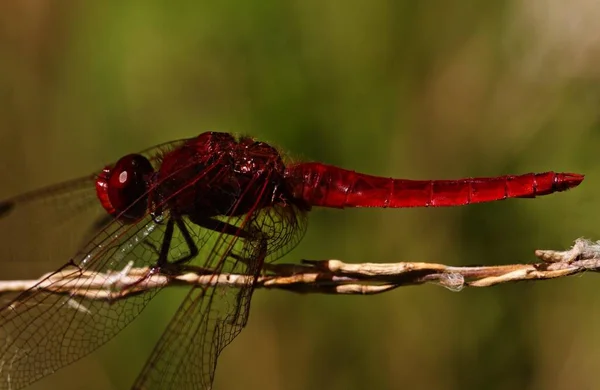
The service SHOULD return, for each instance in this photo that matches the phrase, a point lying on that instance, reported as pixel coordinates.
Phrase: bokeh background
(398, 88)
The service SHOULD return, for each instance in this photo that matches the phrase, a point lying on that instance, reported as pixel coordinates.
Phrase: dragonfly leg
(163, 255)
(165, 246)
(189, 242)
(252, 236)
(222, 227)
(162, 263)
(265, 267)
(151, 246)
(253, 256)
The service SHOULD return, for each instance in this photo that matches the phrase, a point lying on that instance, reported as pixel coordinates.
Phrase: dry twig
(326, 276)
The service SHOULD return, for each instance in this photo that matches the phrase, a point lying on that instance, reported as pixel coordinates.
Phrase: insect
(216, 202)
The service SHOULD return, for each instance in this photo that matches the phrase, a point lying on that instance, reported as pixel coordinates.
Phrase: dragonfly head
(123, 188)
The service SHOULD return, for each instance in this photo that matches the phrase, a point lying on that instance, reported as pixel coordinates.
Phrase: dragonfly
(216, 203)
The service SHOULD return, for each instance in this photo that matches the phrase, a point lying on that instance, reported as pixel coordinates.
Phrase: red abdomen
(329, 186)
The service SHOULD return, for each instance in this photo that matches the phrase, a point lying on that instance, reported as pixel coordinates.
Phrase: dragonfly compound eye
(123, 188)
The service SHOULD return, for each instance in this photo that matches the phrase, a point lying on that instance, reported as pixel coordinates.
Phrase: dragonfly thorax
(216, 174)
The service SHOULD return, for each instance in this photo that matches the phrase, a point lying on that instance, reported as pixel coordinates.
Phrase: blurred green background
(397, 88)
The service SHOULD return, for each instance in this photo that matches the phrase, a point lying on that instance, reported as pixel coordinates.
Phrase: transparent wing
(211, 317)
(186, 355)
(43, 330)
(42, 229)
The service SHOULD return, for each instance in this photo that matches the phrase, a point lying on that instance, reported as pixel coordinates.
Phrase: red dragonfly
(219, 203)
